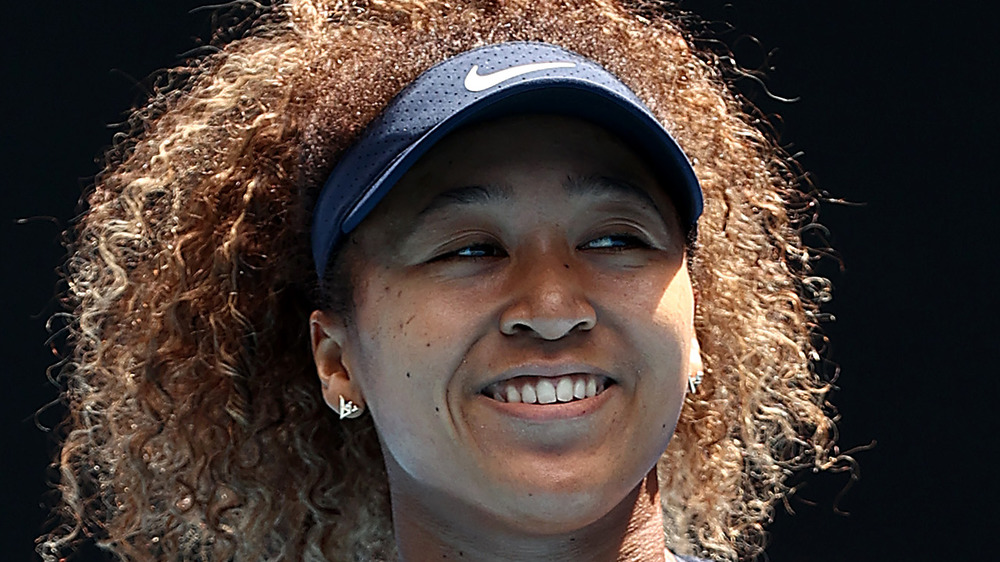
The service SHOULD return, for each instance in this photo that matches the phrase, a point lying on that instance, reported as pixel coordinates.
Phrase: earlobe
(340, 390)
(696, 367)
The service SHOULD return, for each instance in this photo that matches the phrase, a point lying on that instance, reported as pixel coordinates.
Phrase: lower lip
(555, 411)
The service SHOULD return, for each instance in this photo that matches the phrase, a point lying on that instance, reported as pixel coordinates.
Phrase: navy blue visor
(486, 83)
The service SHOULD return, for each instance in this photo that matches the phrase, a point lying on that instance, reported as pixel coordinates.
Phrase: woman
(516, 283)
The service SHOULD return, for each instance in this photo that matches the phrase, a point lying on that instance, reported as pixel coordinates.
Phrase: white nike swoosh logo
(475, 82)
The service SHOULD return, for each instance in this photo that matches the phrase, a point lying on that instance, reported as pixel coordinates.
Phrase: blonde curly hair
(196, 431)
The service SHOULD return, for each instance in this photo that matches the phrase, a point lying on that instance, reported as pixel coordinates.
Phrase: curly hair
(195, 427)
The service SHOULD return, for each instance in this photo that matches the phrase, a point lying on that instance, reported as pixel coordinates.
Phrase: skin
(534, 244)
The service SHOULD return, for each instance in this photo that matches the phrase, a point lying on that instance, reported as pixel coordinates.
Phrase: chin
(563, 504)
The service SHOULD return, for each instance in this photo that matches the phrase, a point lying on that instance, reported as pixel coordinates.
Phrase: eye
(615, 242)
(474, 251)
(480, 251)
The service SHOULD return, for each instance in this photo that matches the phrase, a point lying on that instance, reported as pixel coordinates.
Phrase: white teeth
(541, 390)
(564, 389)
(528, 395)
(512, 394)
(546, 392)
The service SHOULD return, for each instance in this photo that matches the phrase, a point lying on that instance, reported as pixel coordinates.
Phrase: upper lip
(547, 370)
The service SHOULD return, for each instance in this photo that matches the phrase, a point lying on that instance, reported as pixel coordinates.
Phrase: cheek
(673, 320)
(383, 345)
(657, 301)
(406, 368)
(658, 317)
(673, 302)
(402, 353)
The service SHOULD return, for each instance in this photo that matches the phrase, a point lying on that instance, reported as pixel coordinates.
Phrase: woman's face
(522, 324)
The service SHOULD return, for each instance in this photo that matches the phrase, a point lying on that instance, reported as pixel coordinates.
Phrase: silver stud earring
(348, 409)
(695, 380)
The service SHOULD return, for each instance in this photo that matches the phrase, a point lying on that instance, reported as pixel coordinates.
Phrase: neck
(631, 532)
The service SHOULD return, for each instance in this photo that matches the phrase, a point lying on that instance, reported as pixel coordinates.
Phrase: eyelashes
(616, 242)
(479, 251)
(474, 251)
(611, 243)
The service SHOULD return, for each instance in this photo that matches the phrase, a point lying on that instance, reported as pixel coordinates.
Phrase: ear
(696, 367)
(328, 334)
(695, 364)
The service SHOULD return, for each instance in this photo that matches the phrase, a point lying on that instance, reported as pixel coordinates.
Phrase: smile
(547, 390)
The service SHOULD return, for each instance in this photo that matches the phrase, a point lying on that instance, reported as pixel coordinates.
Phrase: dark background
(897, 111)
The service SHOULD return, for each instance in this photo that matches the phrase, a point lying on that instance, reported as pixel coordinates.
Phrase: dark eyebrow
(466, 195)
(606, 186)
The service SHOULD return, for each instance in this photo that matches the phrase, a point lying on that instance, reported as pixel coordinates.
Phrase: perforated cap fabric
(481, 84)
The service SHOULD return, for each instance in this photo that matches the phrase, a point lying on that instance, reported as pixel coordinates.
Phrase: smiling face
(522, 325)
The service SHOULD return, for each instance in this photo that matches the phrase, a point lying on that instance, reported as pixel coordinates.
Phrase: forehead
(497, 161)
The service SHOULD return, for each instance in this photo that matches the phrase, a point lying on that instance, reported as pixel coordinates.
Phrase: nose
(550, 301)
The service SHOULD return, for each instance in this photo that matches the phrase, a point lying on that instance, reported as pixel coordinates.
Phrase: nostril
(516, 328)
(549, 313)
(548, 329)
